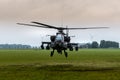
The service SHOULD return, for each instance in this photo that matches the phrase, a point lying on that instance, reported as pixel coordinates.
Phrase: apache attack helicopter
(60, 41)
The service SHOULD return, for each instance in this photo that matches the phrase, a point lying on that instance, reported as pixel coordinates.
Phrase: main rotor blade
(87, 28)
(49, 26)
(31, 25)
(58, 28)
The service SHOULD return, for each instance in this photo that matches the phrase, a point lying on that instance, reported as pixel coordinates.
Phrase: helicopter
(60, 41)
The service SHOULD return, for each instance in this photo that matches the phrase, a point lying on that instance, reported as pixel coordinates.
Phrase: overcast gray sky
(73, 13)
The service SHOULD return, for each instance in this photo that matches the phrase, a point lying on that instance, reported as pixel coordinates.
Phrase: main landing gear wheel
(66, 54)
(51, 53)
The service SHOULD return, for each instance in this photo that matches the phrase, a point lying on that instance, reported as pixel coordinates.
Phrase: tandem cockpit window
(59, 37)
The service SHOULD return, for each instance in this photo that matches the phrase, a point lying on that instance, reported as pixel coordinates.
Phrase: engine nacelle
(52, 38)
(67, 39)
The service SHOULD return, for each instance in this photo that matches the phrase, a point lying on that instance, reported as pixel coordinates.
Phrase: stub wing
(46, 43)
(74, 44)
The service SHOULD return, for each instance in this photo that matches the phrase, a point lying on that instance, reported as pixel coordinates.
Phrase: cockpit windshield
(59, 37)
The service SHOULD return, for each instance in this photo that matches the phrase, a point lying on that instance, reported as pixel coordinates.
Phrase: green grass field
(86, 64)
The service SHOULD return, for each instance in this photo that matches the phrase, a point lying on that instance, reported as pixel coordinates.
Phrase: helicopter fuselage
(59, 43)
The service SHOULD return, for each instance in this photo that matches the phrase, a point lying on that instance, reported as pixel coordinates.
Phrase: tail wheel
(66, 54)
(51, 53)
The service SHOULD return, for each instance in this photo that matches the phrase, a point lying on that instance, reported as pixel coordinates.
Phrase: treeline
(103, 44)
(109, 44)
(14, 46)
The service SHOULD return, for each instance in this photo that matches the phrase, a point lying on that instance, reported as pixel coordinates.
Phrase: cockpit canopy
(59, 37)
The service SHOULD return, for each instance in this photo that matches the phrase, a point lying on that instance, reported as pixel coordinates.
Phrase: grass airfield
(86, 64)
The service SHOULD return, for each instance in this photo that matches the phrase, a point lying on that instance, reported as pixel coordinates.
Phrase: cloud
(54, 12)
(84, 11)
